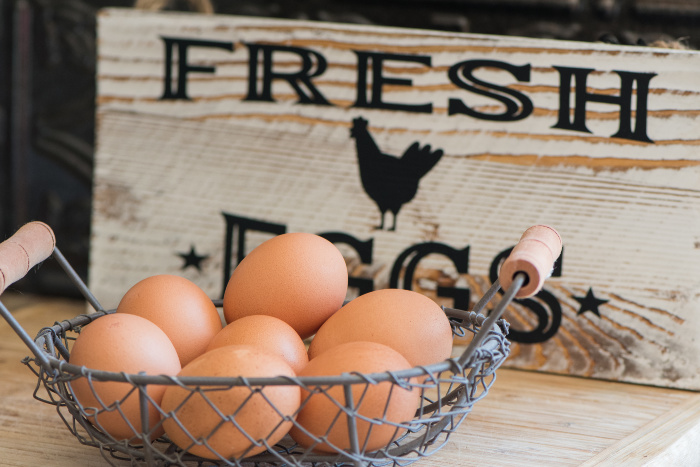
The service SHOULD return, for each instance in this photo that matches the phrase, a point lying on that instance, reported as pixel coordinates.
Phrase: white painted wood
(627, 210)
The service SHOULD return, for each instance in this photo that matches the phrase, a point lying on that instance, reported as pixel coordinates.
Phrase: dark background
(47, 83)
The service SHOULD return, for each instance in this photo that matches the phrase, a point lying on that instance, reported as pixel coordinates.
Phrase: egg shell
(384, 401)
(253, 413)
(267, 332)
(406, 321)
(179, 307)
(298, 277)
(122, 343)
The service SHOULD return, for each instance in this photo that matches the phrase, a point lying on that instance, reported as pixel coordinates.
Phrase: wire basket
(447, 391)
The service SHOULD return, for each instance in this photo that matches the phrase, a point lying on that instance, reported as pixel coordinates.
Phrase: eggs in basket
(286, 293)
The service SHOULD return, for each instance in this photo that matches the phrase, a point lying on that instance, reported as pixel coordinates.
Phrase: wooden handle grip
(29, 246)
(535, 254)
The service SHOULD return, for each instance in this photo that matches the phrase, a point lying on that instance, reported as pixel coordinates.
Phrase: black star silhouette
(590, 303)
(192, 259)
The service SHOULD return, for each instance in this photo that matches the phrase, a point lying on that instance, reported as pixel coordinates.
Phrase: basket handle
(522, 275)
(29, 246)
(534, 255)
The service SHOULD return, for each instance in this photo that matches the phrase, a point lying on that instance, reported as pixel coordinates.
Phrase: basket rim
(49, 335)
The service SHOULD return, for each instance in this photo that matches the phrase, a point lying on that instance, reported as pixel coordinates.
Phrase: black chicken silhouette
(390, 181)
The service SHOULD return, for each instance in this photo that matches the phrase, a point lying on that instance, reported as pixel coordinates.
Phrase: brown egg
(320, 415)
(267, 332)
(300, 278)
(179, 307)
(253, 413)
(406, 321)
(122, 343)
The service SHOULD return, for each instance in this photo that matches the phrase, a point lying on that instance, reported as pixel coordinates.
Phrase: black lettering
(623, 100)
(460, 259)
(548, 322)
(183, 67)
(364, 251)
(461, 74)
(312, 64)
(376, 61)
(240, 225)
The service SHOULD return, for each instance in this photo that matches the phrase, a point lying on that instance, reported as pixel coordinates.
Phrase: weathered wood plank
(622, 191)
(667, 440)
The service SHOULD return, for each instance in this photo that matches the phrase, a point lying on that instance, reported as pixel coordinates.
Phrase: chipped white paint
(628, 210)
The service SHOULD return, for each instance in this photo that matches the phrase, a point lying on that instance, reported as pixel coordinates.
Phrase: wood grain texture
(627, 210)
(667, 440)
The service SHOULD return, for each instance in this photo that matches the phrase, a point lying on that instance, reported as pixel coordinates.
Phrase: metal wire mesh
(446, 392)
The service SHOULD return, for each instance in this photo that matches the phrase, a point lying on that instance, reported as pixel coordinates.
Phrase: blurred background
(47, 82)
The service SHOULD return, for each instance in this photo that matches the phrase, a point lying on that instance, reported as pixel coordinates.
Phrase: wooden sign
(424, 156)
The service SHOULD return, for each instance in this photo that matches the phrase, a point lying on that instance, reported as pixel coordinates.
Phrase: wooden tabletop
(527, 419)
